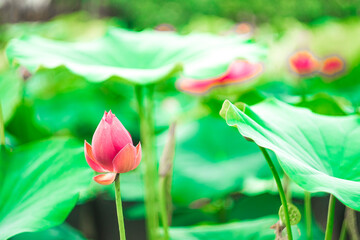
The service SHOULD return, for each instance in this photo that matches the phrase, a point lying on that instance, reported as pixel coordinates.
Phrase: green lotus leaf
(319, 153)
(39, 184)
(241, 207)
(80, 104)
(134, 57)
(322, 102)
(10, 93)
(61, 232)
(233, 210)
(245, 229)
(265, 205)
(252, 229)
(234, 166)
(30, 129)
(325, 104)
(79, 111)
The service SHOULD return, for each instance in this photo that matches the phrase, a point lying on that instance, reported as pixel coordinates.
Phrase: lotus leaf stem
(281, 192)
(308, 215)
(2, 128)
(330, 218)
(144, 95)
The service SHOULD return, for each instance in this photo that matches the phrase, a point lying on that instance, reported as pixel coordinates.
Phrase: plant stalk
(163, 208)
(330, 218)
(351, 223)
(287, 188)
(281, 192)
(303, 88)
(308, 215)
(343, 230)
(119, 208)
(2, 128)
(165, 174)
(144, 96)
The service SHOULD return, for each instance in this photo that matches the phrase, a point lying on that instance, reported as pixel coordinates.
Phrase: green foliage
(71, 27)
(30, 129)
(180, 13)
(40, 183)
(254, 229)
(325, 104)
(242, 208)
(333, 37)
(61, 232)
(219, 177)
(80, 104)
(317, 152)
(138, 58)
(10, 93)
(209, 24)
(211, 167)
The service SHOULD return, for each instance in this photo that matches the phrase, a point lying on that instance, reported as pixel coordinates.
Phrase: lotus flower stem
(2, 129)
(281, 192)
(144, 96)
(308, 215)
(330, 218)
(119, 209)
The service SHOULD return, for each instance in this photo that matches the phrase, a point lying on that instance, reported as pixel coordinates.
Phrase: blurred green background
(142, 14)
(58, 103)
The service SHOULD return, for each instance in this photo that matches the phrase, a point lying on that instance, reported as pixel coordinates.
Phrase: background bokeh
(217, 179)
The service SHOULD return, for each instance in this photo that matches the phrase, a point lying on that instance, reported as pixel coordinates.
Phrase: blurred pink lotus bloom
(244, 28)
(112, 150)
(332, 66)
(239, 71)
(304, 63)
(165, 27)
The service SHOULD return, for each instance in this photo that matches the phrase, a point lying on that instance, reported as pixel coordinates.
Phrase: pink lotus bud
(304, 63)
(112, 150)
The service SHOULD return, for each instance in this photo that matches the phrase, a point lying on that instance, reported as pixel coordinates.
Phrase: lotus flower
(112, 150)
(304, 63)
(244, 28)
(332, 66)
(239, 71)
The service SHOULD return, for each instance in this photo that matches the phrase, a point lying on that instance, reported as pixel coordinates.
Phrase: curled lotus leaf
(320, 153)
